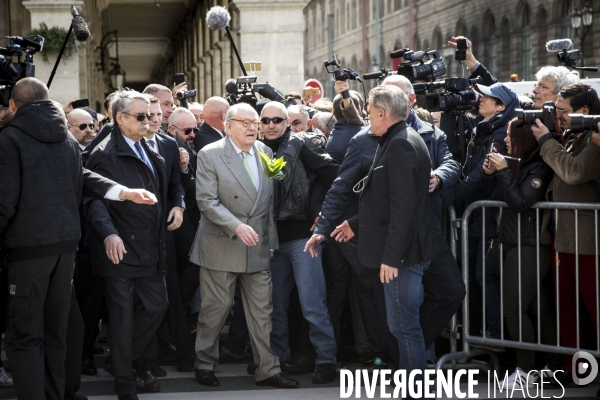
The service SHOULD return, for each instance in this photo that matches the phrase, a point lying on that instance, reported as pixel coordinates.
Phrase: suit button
(235, 197)
(133, 236)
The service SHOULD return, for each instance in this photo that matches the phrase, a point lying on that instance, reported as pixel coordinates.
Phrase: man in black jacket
(211, 130)
(128, 241)
(41, 187)
(395, 226)
(298, 198)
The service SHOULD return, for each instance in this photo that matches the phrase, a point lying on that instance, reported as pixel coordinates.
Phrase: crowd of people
(342, 242)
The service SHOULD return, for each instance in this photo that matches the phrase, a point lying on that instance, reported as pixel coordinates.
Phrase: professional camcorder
(243, 89)
(546, 115)
(567, 58)
(415, 68)
(11, 72)
(456, 96)
(580, 122)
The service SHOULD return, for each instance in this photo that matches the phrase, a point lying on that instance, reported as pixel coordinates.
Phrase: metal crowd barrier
(454, 358)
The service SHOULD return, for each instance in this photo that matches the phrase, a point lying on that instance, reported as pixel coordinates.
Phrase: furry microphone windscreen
(559, 45)
(80, 29)
(218, 18)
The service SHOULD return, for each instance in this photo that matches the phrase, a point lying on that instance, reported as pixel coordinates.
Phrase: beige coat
(226, 198)
(575, 175)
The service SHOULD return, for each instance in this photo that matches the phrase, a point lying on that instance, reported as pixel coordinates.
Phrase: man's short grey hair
(561, 76)
(296, 109)
(234, 109)
(153, 88)
(400, 81)
(390, 98)
(178, 112)
(275, 104)
(324, 121)
(122, 102)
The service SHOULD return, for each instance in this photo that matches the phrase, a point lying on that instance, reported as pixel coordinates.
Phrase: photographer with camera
(577, 169)
(521, 184)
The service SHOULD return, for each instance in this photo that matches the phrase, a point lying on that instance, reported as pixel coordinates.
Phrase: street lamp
(579, 18)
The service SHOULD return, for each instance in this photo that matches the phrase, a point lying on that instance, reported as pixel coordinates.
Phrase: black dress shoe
(251, 369)
(278, 381)
(129, 397)
(159, 372)
(87, 365)
(152, 384)
(207, 378)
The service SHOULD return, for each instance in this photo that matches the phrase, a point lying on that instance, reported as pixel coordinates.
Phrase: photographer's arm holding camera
(349, 111)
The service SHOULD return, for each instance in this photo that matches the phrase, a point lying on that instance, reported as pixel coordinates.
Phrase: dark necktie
(142, 155)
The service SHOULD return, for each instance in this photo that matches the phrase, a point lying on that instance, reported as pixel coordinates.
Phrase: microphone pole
(235, 50)
(60, 54)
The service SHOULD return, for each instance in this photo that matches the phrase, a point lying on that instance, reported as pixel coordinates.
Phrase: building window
(489, 35)
(565, 20)
(525, 43)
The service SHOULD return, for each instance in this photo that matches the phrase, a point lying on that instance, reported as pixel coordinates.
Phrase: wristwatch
(438, 180)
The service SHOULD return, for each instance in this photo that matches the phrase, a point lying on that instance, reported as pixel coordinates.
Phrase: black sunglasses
(276, 120)
(140, 117)
(83, 126)
(187, 131)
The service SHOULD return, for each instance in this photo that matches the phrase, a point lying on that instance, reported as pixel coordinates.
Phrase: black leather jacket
(308, 174)
(520, 193)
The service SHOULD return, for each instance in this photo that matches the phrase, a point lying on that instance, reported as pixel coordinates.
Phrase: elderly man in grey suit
(235, 235)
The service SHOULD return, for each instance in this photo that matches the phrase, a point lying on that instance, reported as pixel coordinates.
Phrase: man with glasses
(176, 161)
(128, 242)
(309, 172)
(211, 130)
(233, 243)
(81, 125)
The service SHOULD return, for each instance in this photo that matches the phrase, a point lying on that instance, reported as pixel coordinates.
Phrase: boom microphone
(373, 75)
(80, 27)
(558, 45)
(218, 18)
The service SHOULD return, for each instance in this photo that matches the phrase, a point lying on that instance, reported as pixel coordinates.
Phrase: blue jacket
(339, 139)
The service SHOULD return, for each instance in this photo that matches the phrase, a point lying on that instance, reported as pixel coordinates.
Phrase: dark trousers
(444, 292)
(38, 310)
(90, 296)
(132, 328)
(73, 359)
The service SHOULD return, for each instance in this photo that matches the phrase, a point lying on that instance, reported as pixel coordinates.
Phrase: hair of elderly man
(400, 81)
(324, 121)
(152, 98)
(275, 104)
(27, 90)
(195, 104)
(561, 76)
(390, 98)
(178, 112)
(234, 109)
(296, 109)
(122, 102)
(323, 104)
(154, 88)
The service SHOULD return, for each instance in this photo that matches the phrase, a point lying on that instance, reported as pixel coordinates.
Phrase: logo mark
(585, 368)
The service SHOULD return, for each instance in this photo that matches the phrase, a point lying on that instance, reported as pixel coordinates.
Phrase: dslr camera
(10, 71)
(546, 115)
(414, 66)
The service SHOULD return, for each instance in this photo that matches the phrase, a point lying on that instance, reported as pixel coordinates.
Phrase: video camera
(11, 72)
(243, 89)
(415, 68)
(457, 97)
(546, 115)
(379, 75)
(580, 122)
(567, 58)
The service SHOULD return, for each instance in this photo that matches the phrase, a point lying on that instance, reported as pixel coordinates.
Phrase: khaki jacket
(575, 180)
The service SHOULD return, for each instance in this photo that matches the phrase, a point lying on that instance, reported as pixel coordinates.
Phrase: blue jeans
(290, 263)
(402, 299)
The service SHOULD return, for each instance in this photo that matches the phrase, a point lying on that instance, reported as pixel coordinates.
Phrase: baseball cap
(499, 91)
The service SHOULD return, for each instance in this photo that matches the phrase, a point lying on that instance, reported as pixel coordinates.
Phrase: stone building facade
(508, 36)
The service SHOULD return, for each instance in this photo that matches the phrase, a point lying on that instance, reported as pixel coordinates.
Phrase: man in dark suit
(396, 231)
(211, 130)
(128, 242)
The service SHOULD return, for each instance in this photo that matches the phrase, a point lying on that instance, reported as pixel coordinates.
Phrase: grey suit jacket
(226, 198)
